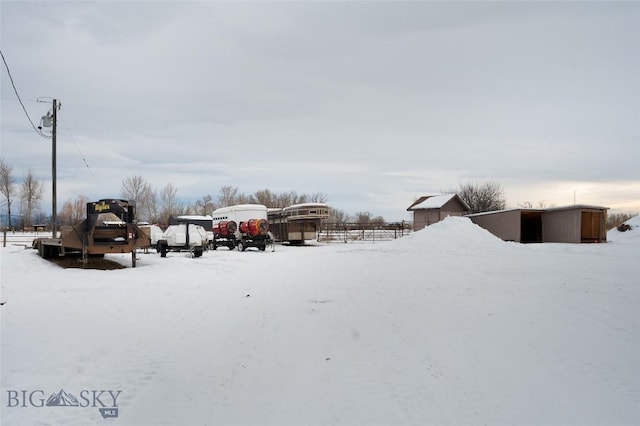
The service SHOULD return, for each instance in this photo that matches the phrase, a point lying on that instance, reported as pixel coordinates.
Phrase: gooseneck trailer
(108, 228)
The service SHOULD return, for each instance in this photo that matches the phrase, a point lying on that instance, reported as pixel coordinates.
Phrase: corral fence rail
(354, 232)
(22, 238)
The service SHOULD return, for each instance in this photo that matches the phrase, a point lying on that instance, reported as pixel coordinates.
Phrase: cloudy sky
(370, 103)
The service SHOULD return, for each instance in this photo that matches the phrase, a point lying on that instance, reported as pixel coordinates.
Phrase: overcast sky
(371, 103)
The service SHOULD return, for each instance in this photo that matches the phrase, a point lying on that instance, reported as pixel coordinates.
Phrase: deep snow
(447, 326)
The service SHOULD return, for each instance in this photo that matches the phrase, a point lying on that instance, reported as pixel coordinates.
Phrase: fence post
(4, 237)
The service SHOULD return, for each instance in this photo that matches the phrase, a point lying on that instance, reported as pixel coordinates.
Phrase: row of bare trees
(152, 205)
(156, 206)
(28, 193)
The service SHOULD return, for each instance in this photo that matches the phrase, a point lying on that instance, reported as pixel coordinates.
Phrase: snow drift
(451, 233)
(631, 236)
(448, 326)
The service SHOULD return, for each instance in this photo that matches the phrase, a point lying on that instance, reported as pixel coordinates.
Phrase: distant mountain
(62, 399)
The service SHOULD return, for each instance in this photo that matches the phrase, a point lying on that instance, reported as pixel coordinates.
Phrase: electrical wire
(84, 160)
(34, 126)
(20, 100)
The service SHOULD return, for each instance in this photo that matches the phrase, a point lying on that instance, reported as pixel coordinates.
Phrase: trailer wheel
(262, 247)
(163, 250)
(40, 248)
(197, 252)
(48, 252)
(241, 246)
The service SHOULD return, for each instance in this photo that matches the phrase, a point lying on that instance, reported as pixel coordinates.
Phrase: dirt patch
(92, 263)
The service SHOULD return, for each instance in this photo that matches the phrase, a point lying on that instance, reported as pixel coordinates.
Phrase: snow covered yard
(448, 326)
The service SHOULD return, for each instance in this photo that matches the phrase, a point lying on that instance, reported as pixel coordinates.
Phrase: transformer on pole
(51, 120)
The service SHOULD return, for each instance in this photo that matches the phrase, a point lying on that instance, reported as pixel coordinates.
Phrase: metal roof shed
(570, 224)
(575, 224)
(519, 225)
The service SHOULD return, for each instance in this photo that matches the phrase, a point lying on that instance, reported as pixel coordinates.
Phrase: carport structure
(570, 224)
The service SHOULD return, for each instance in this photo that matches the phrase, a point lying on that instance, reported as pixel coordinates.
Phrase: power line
(18, 96)
(78, 148)
(31, 121)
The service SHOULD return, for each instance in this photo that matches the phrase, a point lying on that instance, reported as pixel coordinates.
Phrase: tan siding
(453, 206)
(426, 217)
(504, 225)
(422, 218)
(561, 226)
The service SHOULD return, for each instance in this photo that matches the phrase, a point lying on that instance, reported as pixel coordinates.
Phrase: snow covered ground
(447, 326)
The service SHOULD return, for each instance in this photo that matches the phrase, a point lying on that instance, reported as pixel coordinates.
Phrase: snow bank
(448, 326)
(452, 233)
(632, 235)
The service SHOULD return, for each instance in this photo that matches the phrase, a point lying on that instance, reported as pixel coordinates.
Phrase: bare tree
(137, 190)
(245, 199)
(151, 213)
(31, 194)
(318, 197)
(363, 218)
(73, 211)
(377, 221)
(7, 188)
(169, 202)
(289, 198)
(205, 206)
(266, 198)
(338, 216)
(227, 196)
(481, 197)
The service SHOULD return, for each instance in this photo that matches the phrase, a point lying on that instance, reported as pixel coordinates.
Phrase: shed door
(530, 227)
(590, 229)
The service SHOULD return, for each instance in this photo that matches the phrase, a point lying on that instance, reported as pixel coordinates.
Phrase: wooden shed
(430, 209)
(570, 224)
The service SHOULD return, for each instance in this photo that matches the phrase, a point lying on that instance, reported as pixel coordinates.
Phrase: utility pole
(51, 120)
(54, 218)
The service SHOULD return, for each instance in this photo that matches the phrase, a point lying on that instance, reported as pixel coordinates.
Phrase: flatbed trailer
(108, 228)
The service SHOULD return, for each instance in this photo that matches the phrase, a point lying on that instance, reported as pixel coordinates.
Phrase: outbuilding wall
(573, 224)
(451, 208)
(504, 224)
(422, 218)
(566, 225)
(426, 217)
(561, 226)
